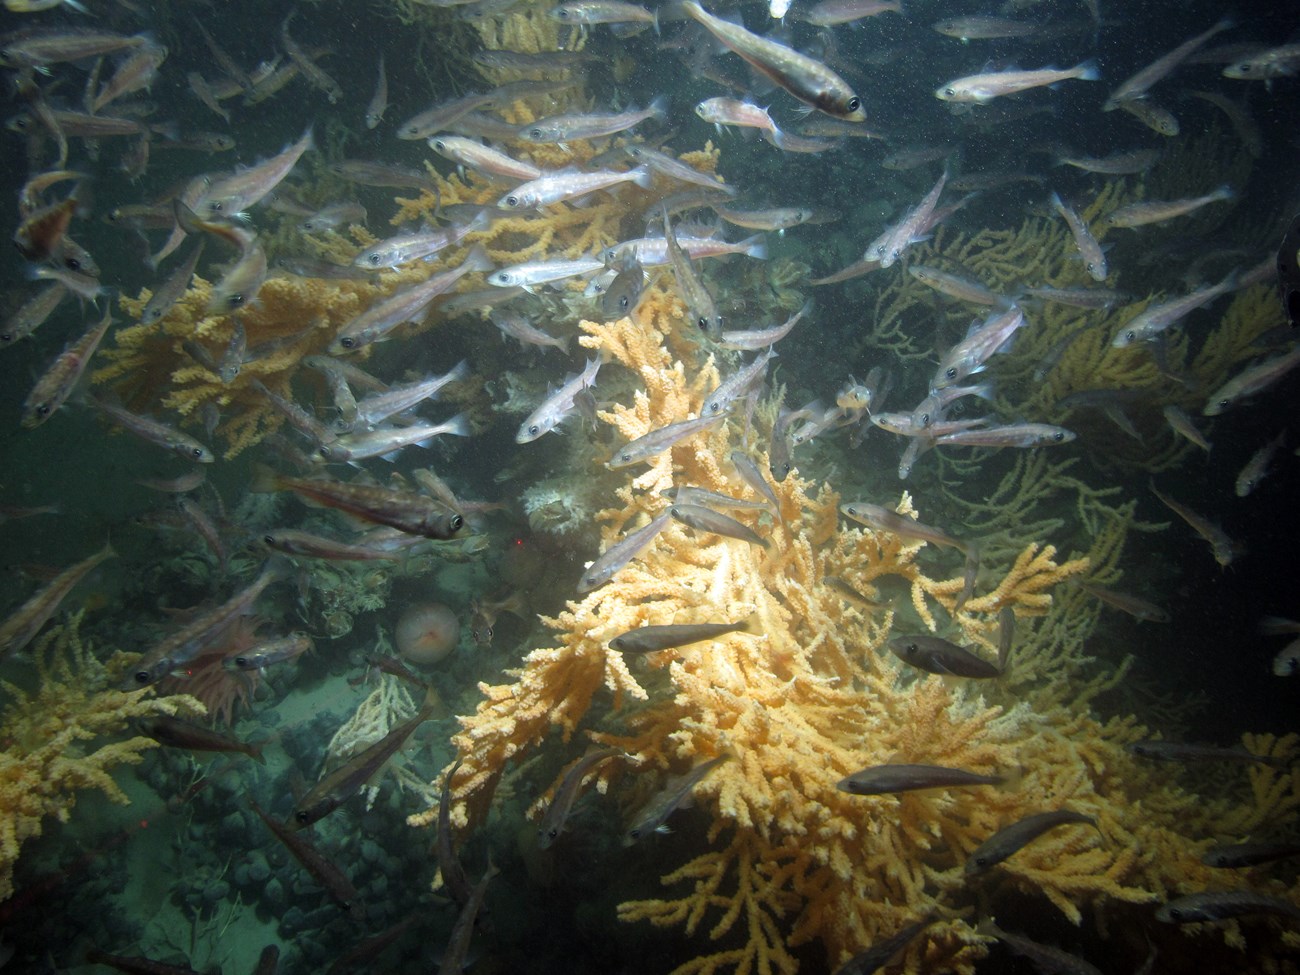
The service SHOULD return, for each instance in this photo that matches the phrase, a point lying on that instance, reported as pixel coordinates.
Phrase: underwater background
(402, 660)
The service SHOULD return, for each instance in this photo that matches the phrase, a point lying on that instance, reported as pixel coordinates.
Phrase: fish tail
(755, 247)
(1088, 71)
(265, 480)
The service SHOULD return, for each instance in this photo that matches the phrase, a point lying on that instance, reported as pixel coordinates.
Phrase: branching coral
(813, 698)
(52, 737)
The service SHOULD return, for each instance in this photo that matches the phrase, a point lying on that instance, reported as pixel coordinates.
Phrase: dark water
(187, 874)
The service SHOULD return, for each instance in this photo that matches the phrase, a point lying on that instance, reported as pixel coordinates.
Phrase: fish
(752, 340)
(484, 159)
(1251, 380)
(1181, 423)
(652, 639)
(1155, 117)
(652, 816)
(22, 625)
(1044, 958)
(180, 648)
(982, 342)
(408, 247)
(939, 656)
(751, 475)
(175, 732)
(387, 442)
(1139, 609)
(334, 216)
(829, 13)
(39, 234)
(675, 169)
(1094, 258)
(449, 865)
(1190, 752)
(613, 559)
(166, 295)
(720, 111)
(1226, 550)
(529, 274)
(379, 406)
(1011, 839)
(955, 286)
(457, 951)
(136, 73)
(313, 72)
(707, 520)
(566, 128)
(737, 385)
(880, 518)
(378, 105)
(689, 494)
(241, 283)
(978, 27)
(154, 432)
(269, 654)
(370, 173)
(323, 870)
(701, 309)
(1009, 435)
(234, 194)
(557, 813)
(653, 251)
(980, 89)
(1287, 661)
(1116, 164)
(623, 294)
(889, 247)
(807, 79)
(1223, 905)
(346, 781)
(780, 449)
(377, 322)
(1256, 468)
(442, 116)
(305, 545)
(590, 12)
(1139, 84)
(1239, 855)
(484, 614)
(32, 314)
(569, 184)
(41, 48)
(884, 952)
(1276, 62)
(895, 778)
(1152, 211)
(655, 442)
(60, 379)
(557, 405)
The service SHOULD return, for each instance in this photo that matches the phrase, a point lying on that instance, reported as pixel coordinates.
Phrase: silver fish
(557, 813)
(707, 520)
(651, 817)
(557, 406)
(1011, 839)
(657, 441)
(620, 554)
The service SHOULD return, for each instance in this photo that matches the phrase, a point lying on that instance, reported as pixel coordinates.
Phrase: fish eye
(536, 134)
(6, 337)
(625, 457)
(456, 522)
(439, 145)
(347, 342)
(269, 539)
(855, 103)
(925, 419)
(623, 302)
(1058, 436)
(951, 372)
(301, 816)
(324, 452)
(1130, 336)
(43, 409)
(561, 14)
(216, 206)
(635, 833)
(981, 861)
(236, 301)
(196, 453)
(373, 259)
(512, 201)
(703, 323)
(1223, 403)
(72, 264)
(1176, 913)
(142, 677)
(534, 430)
(950, 92)
(1091, 266)
(241, 662)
